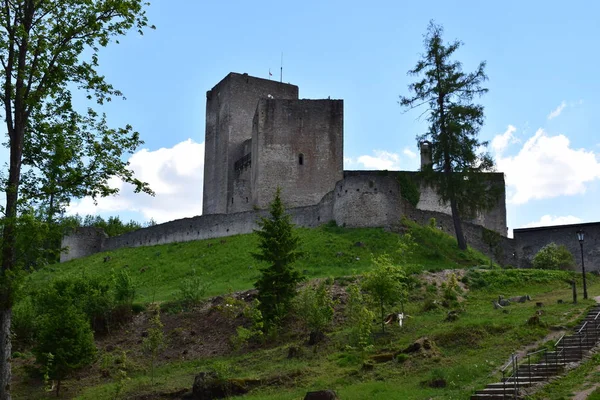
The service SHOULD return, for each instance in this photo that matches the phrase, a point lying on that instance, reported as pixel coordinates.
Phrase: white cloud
(409, 153)
(175, 174)
(549, 220)
(381, 160)
(545, 167)
(501, 142)
(556, 112)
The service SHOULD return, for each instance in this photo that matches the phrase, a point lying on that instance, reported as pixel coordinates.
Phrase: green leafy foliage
(409, 189)
(494, 279)
(64, 341)
(386, 285)
(314, 305)
(56, 151)
(124, 288)
(192, 289)
(252, 312)
(91, 295)
(359, 319)
(113, 226)
(277, 245)
(454, 124)
(154, 341)
(553, 256)
(23, 324)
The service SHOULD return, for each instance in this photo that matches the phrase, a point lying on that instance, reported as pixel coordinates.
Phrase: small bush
(386, 285)
(255, 330)
(64, 342)
(90, 295)
(123, 287)
(553, 256)
(314, 305)
(359, 318)
(154, 342)
(192, 289)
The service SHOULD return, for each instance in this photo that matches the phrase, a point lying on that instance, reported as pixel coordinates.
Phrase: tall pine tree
(454, 123)
(278, 246)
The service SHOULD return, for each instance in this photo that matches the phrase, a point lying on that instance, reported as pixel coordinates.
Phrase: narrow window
(232, 200)
(301, 159)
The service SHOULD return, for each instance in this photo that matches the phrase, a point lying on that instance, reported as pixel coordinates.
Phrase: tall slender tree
(47, 49)
(277, 245)
(448, 93)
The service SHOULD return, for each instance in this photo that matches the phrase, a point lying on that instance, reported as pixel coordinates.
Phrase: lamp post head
(580, 235)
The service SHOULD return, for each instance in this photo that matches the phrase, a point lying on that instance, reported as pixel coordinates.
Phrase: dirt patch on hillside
(437, 278)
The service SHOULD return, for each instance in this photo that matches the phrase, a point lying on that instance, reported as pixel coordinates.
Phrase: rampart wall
(366, 199)
(371, 209)
(531, 240)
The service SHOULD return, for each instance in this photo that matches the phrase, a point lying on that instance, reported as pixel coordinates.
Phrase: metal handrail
(514, 373)
(559, 340)
(582, 327)
(582, 335)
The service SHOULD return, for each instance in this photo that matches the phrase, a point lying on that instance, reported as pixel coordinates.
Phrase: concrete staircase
(540, 366)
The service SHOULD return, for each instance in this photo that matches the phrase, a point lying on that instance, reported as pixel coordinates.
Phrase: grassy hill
(227, 265)
(466, 353)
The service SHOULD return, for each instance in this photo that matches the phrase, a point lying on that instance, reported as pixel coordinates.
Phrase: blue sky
(542, 63)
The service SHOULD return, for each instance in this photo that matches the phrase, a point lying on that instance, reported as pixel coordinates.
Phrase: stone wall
(494, 219)
(366, 207)
(531, 240)
(297, 145)
(83, 242)
(504, 252)
(367, 200)
(230, 107)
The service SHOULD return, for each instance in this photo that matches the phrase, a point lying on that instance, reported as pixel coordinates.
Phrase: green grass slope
(227, 265)
(468, 352)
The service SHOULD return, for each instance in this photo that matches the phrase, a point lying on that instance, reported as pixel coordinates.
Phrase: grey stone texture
(83, 242)
(230, 108)
(297, 145)
(530, 240)
(494, 219)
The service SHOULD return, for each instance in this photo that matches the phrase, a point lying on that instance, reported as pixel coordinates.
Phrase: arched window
(301, 159)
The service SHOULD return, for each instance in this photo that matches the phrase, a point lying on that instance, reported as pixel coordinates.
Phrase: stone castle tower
(260, 136)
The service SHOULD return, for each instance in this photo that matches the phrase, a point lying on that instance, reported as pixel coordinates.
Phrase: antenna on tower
(281, 69)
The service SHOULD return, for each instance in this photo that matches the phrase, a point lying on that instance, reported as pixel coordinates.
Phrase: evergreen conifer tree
(278, 246)
(454, 123)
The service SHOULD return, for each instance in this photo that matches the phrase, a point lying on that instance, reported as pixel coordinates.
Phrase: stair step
(527, 379)
(508, 385)
(492, 396)
(570, 349)
(509, 390)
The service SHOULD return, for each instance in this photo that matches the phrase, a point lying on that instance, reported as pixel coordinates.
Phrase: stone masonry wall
(297, 146)
(367, 200)
(364, 208)
(531, 240)
(494, 219)
(503, 253)
(83, 242)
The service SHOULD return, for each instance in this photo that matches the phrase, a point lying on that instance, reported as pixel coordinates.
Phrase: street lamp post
(580, 237)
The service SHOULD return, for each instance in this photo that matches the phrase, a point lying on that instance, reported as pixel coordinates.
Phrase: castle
(260, 136)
